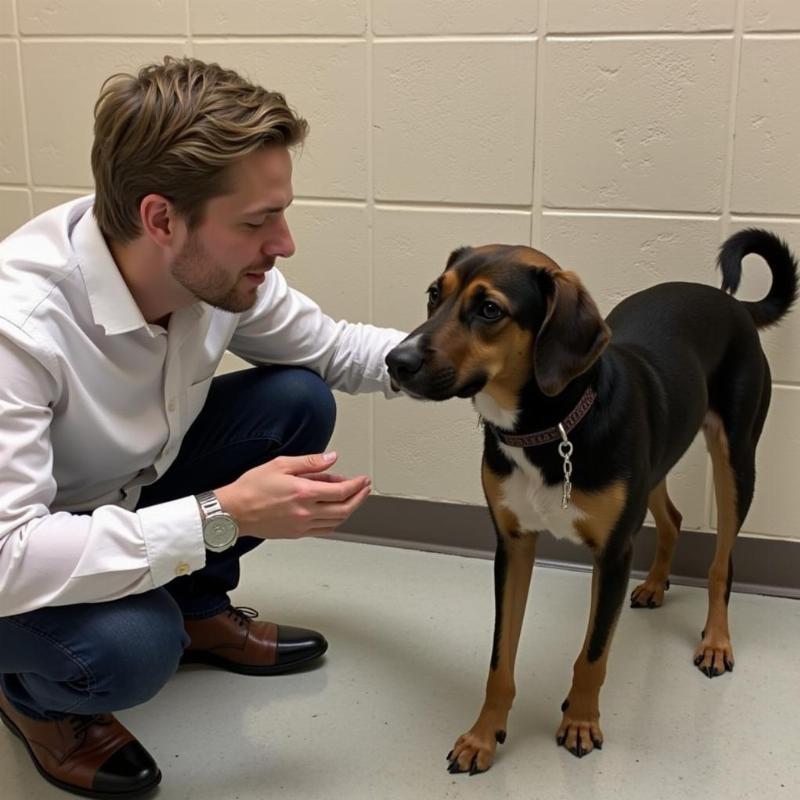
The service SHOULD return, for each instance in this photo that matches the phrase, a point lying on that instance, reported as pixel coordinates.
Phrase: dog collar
(549, 434)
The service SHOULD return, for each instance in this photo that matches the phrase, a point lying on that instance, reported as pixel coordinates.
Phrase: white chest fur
(536, 505)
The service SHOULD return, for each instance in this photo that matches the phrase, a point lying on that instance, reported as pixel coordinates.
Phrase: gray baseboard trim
(761, 565)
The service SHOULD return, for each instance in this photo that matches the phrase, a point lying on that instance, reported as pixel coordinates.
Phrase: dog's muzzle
(417, 370)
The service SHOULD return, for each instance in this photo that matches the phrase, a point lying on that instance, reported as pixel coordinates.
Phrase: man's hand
(292, 496)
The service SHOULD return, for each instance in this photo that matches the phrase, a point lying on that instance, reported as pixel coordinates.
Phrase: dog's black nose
(404, 360)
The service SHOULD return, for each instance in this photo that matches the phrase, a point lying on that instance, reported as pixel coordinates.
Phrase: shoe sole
(246, 669)
(68, 787)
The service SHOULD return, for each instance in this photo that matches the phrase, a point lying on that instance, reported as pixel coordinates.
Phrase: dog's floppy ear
(572, 336)
(455, 255)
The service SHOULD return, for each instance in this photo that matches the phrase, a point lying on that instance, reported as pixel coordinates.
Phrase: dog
(583, 418)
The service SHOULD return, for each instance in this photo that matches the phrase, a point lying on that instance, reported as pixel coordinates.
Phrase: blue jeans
(96, 658)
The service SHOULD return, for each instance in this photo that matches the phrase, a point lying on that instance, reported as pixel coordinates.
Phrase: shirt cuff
(173, 536)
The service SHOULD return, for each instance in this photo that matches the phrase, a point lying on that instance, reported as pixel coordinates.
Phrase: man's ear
(572, 336)
(159, 219)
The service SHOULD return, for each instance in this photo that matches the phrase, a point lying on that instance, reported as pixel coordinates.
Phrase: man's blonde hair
(174, 129)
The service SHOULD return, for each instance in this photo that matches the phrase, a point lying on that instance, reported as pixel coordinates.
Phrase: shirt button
(182, 568)
(171, 405)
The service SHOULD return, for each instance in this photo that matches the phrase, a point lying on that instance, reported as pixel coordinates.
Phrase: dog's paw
(579, 736)
(714, 655)
(474, 751)
(649, 594)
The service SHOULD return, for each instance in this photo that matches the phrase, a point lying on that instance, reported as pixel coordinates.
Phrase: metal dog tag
(565, 451)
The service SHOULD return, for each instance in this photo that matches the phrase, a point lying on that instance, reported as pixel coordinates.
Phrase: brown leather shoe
(94, 756)
(233, 641)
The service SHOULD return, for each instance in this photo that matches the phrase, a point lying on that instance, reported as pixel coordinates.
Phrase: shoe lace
(81, 723)
(242, 614)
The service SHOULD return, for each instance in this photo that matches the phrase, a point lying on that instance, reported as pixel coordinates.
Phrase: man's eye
(253, 225)
(491, 310)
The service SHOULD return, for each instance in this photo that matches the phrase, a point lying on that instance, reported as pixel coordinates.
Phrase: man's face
(227, 257)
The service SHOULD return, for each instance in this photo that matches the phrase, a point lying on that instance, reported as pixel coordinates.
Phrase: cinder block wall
(626, 138)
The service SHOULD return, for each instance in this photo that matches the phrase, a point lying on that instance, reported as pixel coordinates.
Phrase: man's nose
(280, 243)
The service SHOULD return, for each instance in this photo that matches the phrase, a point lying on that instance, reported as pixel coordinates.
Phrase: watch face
(219, 531)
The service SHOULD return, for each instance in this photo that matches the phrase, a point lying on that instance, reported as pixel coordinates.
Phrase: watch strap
(209, 504)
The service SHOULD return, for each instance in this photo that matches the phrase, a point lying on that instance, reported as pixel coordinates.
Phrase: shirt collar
(111, 302)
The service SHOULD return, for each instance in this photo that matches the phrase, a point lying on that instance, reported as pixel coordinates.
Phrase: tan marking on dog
(602, 511)
(505, 352)
(506, 519)
(450, 283)
(715, 649)
(650, 594)
(480, 742)
(506, 382)
(504, 355)
(580, 721)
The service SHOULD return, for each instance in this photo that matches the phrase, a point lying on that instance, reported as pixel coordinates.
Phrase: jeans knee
(136, 652)
(310, 405)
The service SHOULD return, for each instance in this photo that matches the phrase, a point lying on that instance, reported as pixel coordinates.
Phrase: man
(131, 480)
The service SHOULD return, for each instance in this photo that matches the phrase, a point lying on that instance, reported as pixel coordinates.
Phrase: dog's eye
(433, 296)
(491, 310)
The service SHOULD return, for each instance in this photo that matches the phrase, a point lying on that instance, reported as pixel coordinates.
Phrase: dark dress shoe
(234, 641)
(93, 756)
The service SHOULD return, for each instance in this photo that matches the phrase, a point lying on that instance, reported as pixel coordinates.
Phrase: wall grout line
(537, 178)
(189, 40)
(727, 187)
(478, 208)
(24, 108)
(641, 35)
(370, 144)
(725, 219)
(83, 39)
(291, 38)
(633, 212)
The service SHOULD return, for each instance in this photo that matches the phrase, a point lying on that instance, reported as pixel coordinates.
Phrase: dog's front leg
(513, 565)
(580, 730)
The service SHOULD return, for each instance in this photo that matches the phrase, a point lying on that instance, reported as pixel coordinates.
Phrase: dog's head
(498, 316)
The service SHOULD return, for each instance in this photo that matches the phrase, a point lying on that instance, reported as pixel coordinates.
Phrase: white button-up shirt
(95, 401)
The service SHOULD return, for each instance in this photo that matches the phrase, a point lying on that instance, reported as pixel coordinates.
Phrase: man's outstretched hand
(293, 496)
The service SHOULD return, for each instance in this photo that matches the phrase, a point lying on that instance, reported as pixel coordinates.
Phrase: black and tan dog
(583, 420)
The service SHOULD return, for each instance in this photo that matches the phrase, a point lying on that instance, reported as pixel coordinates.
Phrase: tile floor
(410, 637)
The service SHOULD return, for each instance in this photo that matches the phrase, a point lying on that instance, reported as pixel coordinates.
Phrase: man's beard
(194, 269)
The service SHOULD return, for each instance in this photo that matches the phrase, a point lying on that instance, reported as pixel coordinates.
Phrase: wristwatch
(219, 529)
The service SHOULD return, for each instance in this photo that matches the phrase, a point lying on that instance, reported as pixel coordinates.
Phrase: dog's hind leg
(732, 450)
(650, 594)
(474, 751)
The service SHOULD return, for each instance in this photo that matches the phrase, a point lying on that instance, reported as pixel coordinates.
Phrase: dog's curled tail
(782, 264)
